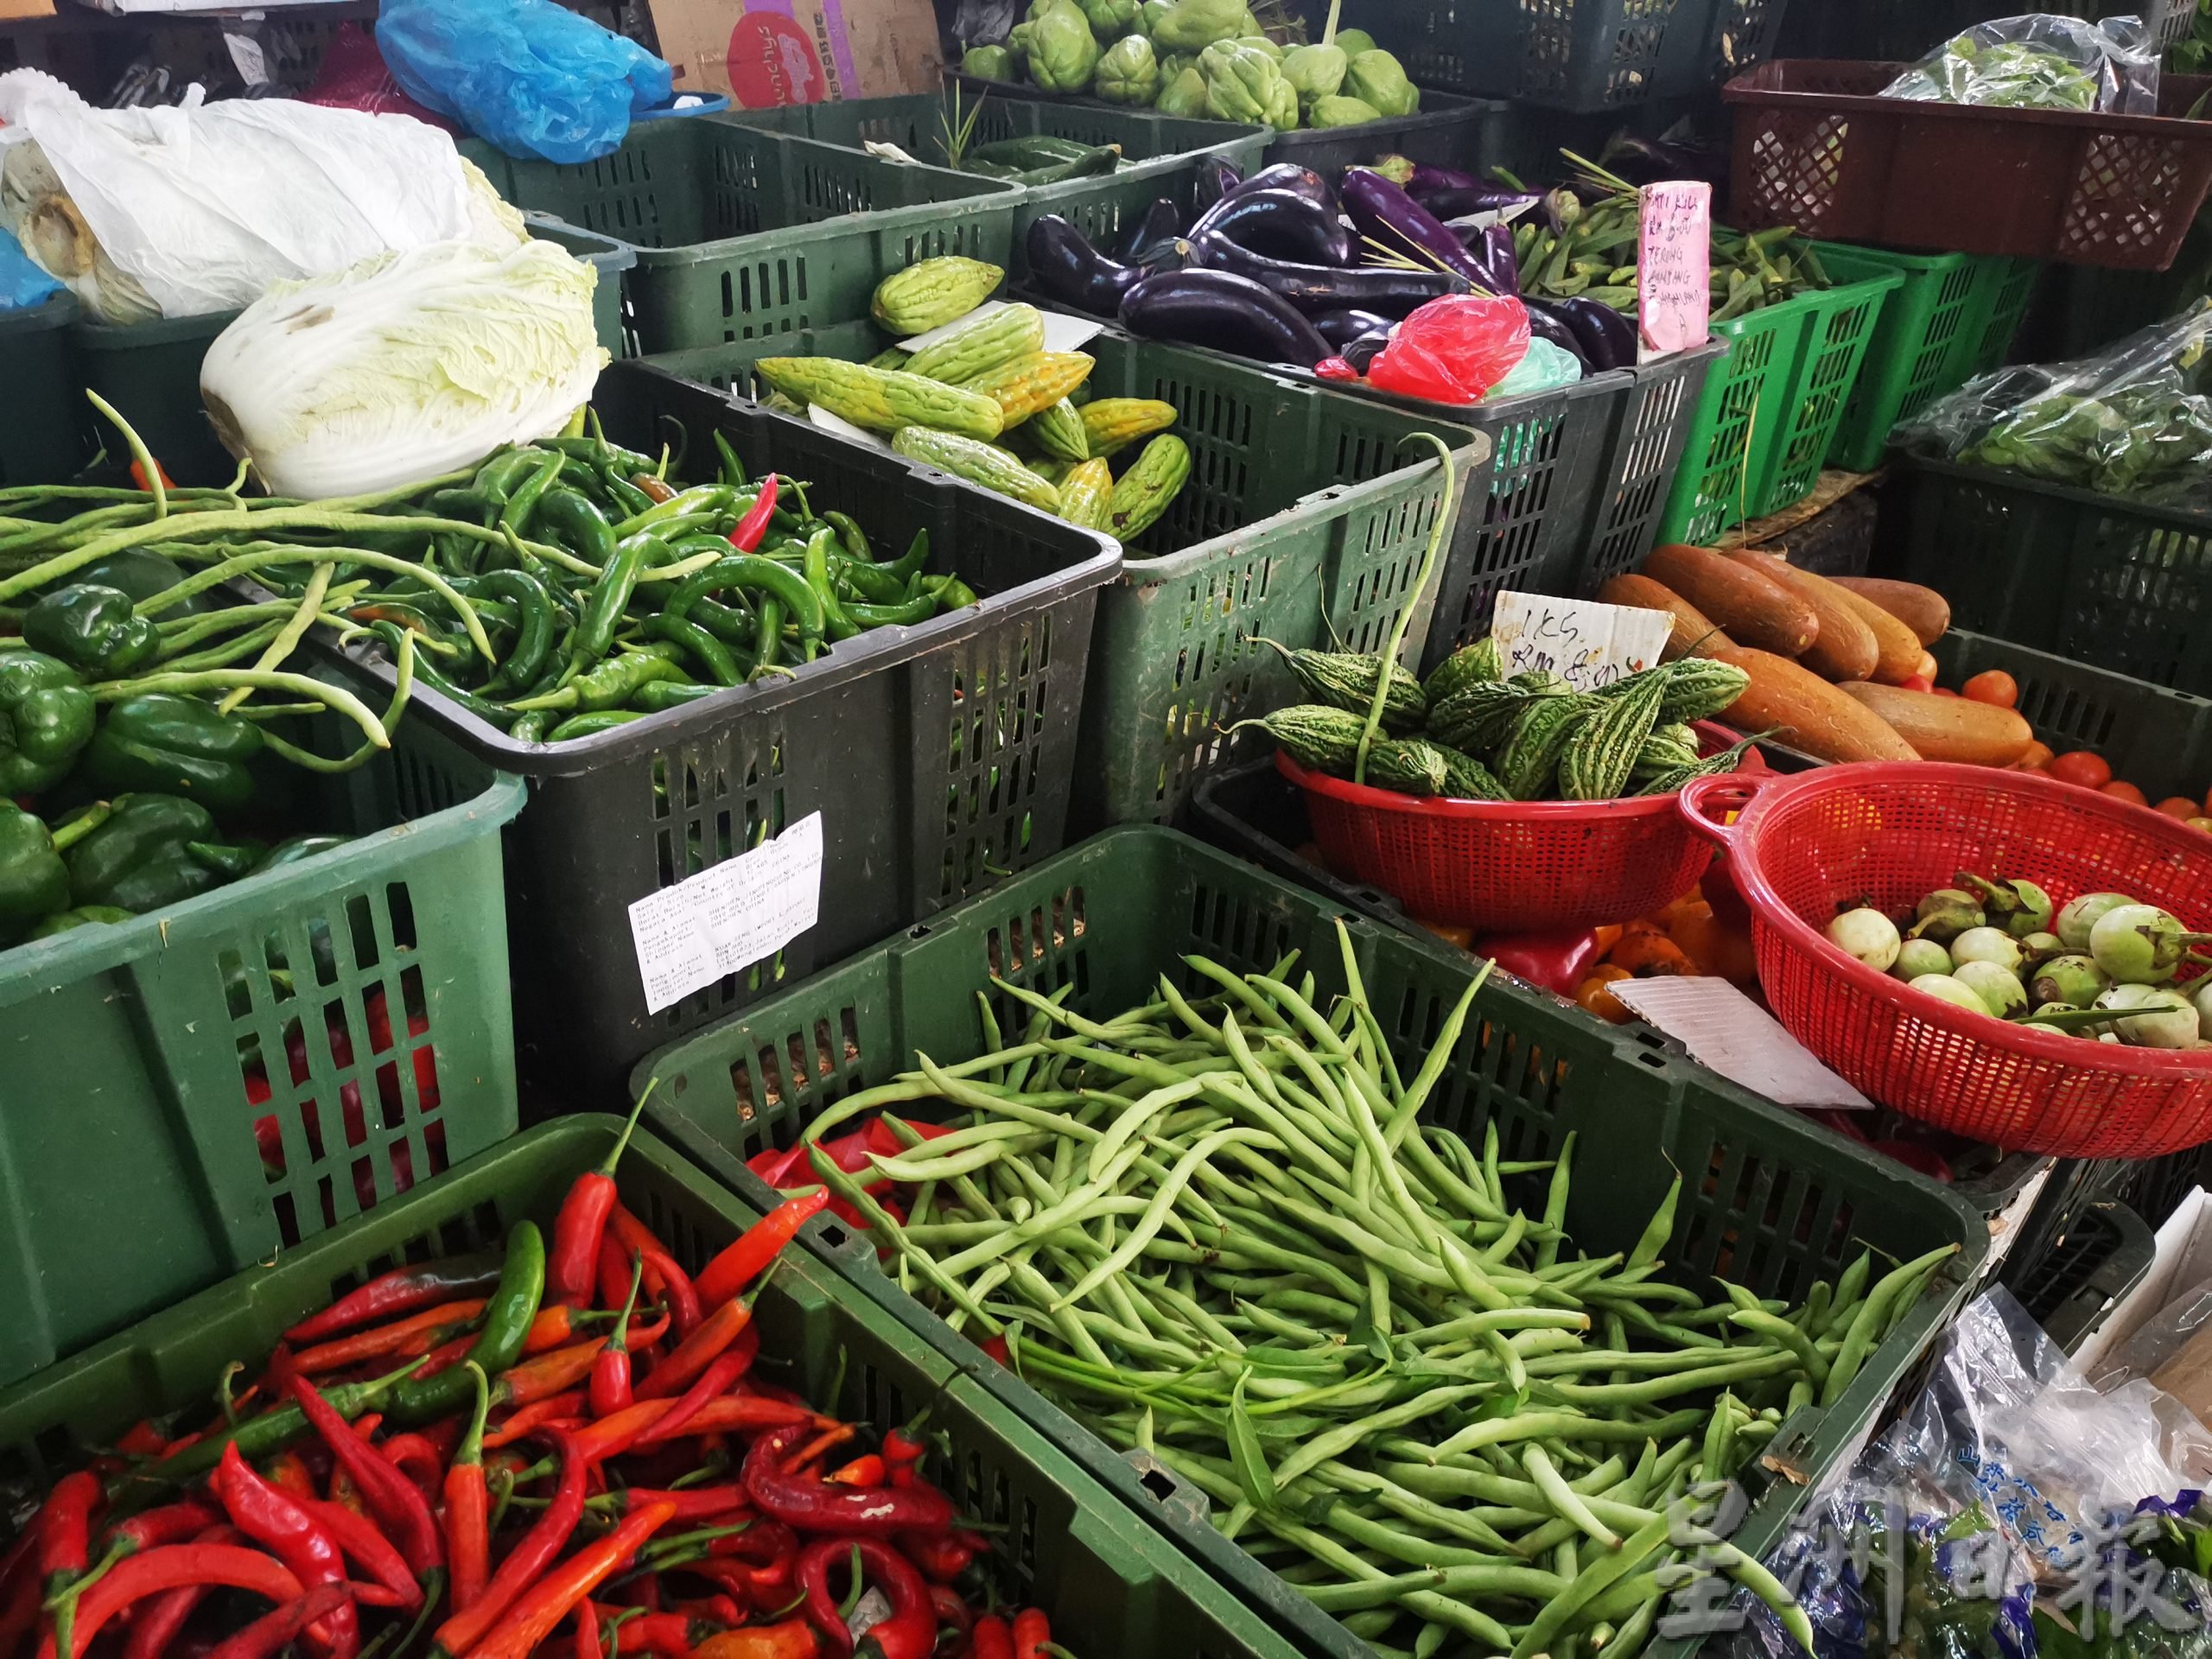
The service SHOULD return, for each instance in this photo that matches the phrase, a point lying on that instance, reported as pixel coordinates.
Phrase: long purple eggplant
(1341, 328)
(1545, 322)
(1608, 338)
(1280, 226)
(1063, 263)
(1216, 178)
(1386, 214)
(1231, 314)
(1288, 175)
(1364, 351)
(1389, 290)
(1450, 193)
(1153, 237)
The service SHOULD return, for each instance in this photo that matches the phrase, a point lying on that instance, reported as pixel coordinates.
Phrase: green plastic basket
(2091, 577)
(1251, 551)
(2159, 740)
(40, 439)
(1954, 317)
(1774, 1202)
(1771, 408)
(741, 232)
(1110, 1588)
(127, 1127)
(150, 371)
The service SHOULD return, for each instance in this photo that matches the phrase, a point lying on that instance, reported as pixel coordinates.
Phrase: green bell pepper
(155, 741)
(140, 858)
(34, 882)
(93, 629)
(297, 848)
(46, 718)
(142, 573)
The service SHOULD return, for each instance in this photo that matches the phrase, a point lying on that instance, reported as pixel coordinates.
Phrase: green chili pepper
(599, 453)
(67, 921)
(733, 469)
(161, 743)
(571, 520)
(628, 498)
(232, 861)
(700, 646)
(428, 676)
(523, 500)
(93, 629)
(470, 504)
(949, 592)
(787, 586)
(700, 498)
(903, 615)
(835, 624)
(507, 1316)
(658, 696)
(595, 628)
(855, 538)
(529, 729)
(533, 628)
(589, 725)
(46, 719)
(496, 477)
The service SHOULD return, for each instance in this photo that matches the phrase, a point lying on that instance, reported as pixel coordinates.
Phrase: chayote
(1110, 20)
(1282, 106)
(1377, 77)
(991, 62)
(1183, 93)
(1128, 74)
(1341, 112)
(1172, 64)
(1260, 43)
(1243, 85)
(1353, 41)
(1063, 52)
(1316, 71)
(1193, 25)
(1247, 25)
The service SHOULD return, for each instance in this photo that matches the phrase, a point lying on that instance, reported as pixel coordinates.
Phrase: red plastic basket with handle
(1889, 832)
(1507, 867)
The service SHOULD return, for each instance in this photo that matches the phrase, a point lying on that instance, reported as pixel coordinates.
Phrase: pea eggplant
(1063, 263)
(1280, 224)
(1225, 311)
(1389, 290)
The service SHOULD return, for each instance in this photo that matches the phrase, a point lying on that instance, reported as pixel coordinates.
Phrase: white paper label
(1066, 334)
(728, 918)
(1591, 645)
(843, 428)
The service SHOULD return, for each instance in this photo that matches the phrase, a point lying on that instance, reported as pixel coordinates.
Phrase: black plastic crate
(2070, 1287)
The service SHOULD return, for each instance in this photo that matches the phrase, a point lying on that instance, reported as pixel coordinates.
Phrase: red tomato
(2121, 790)
(2080, 766)
(1992, 685)
(2179, 806)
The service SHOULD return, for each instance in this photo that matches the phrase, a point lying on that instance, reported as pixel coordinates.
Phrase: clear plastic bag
(2041, 63)
(2005, 1503)
(531, 77)
(2135, 420)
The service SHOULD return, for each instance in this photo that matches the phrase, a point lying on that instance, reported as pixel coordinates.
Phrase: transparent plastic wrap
(2158, 1339)
(2041, 63)
(2135, 420)
(2010, 1512)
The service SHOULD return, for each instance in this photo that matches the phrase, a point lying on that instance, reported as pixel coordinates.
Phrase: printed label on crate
(725, 919)
(1673, 268)
(1586, 643)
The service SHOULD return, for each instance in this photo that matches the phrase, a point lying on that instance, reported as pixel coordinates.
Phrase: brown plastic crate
(1816, 148)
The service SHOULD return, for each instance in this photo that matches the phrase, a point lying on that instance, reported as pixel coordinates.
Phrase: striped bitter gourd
(1479, 664)
(1058, 432)
(882, 400)
(1113, 424)
(1598, 758)
(1406, 765)
(1143, 492)
(1318, 737)
(1024, 385)
(1667, 783)
(1085, 493)
(980, 344)
(1479, 718)
(1466, 778)
(1701, 688)
(1346, 680)
(979, 463)
(932, 292)
(1541, 733)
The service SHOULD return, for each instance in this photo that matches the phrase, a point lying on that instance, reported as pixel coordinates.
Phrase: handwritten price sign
(1586, 643)
(1673, 268)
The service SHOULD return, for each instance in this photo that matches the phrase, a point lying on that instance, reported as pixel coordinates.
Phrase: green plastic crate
(1110, 1588)
(741, 232)
(2091, 577)
(1954, 318)
(1774, 1202)
(150, 371)
(127, 1121)
(1250, 549)
(2157, 738)
(1771, 408)
(40, 439)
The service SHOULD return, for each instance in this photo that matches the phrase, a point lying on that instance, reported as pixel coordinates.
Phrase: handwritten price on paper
(1586, 643)
(1673, 268)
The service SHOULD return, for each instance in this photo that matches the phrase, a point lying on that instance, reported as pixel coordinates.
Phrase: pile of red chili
(560, 1450)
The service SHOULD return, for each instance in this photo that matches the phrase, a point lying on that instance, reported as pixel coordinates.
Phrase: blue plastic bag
(22, 285)
(530, 76)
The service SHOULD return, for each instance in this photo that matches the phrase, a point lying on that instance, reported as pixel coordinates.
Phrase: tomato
(2179, 806)
(2121, 790)
(2039, 772)
(2036, 756)
(2080, 766)
(1992, 685)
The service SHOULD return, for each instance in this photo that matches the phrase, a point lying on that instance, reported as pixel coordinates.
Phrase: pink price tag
(1673, 268)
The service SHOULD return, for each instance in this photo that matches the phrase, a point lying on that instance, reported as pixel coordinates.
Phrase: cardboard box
(764, 53)
(2188, 1374)
(2183, 1262)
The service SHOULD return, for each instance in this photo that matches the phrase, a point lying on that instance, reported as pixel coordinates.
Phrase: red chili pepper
(890, 1572)
(949, 1609)
(359, 1541)
(754, 525)
(760, 1244)
(276, 1520)
(417, 1459)
(991, 1639)
(566, 1367)
(63, 1528)
(173, 1523)
(744, 1413)
(792, 1639)
(866, 1470)
(397, 1502)
(692, 1355)
(468, 1507)
(422, 1285)
(610, 1370)
(416, 1333)
(143, 1440)
(527, 1561)
(671, 1635)
(573, 1258)
(138, 475)
(198, 1566)
(664, 1277)
(1032, 1630)
(549, 1601)
(692, 1502)
(556, 1327)
(723, 1609)
(588, 1644)
(942, 1556)
(267, 1635)
(529, 1419)
(812, 1505)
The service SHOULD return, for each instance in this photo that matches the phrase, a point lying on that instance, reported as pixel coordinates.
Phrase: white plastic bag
(183, 211)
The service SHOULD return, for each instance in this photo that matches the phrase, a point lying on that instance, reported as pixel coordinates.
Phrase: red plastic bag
(1453, 350)
(353, 77)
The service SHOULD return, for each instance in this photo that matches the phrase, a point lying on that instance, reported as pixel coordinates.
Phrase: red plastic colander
(1510, 866)
(1807, 844)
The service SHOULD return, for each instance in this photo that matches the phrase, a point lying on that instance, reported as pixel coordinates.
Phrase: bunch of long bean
(1219, 1229)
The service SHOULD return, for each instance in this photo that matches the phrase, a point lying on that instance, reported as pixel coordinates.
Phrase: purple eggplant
(1545, 322)
(1492, 249)
(1279, 225)
(1287, 175)
(1364, 351)
(1068, 269)
(1152, 238)
(1216, 178)
(1341, 328)
(1608, 338)
(1388, 215)
(1230, 314)
(1389, 290)
(1450, 193)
